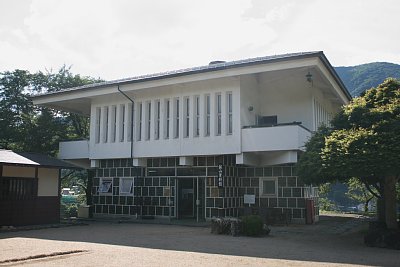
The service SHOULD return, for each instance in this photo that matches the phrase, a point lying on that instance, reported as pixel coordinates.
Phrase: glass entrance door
(191, 198)
(186, 198)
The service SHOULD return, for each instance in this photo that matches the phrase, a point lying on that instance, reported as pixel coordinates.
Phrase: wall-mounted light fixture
(250, 108)
(309, 77)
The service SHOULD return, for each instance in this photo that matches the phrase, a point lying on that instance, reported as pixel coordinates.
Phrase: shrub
(68, 210)
(220, 226)
(252, 225)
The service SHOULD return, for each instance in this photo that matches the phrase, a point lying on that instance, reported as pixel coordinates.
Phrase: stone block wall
(290, 190)
(155, 187)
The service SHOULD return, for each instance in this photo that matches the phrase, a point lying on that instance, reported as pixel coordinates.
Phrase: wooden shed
(29, 188)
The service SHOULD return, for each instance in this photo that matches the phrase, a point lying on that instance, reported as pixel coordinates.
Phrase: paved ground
(335, 241)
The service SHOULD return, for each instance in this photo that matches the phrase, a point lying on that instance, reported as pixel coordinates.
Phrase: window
(157, 126)
(97, 129)
(139, 128)
(207, 117)
(321, 115)
(219, 113)
(105, 126)
(18, 188)
(176, 134)
(196, 116)
(105, 186)
(148, 117)
(113, 123)
(167, 118)
(122, 123)
(130, 125)
(268, 187)
(187, 118)
(229, 101)
(126, 186)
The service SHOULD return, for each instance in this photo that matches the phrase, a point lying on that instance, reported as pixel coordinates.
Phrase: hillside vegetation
(362, 77)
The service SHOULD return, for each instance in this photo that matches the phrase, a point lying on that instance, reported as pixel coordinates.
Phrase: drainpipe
(130, 99)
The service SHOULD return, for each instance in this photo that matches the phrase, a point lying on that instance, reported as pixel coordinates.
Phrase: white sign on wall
(249, 199)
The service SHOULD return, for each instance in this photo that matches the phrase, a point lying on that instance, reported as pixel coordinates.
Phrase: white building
(193, 142)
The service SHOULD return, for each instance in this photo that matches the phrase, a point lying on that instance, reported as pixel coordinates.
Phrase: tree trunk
(366, 204)
(390, 202)
(380, 209)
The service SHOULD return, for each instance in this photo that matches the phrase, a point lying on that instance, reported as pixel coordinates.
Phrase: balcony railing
(74, 149)
(276, 137)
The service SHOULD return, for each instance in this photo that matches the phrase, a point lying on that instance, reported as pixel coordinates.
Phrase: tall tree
(363, 143)
(15, 107)
(38, 129)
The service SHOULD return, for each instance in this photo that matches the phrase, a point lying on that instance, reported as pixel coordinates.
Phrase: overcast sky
(114, 39)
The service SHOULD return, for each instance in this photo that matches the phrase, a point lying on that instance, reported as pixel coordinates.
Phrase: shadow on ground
(335, 239)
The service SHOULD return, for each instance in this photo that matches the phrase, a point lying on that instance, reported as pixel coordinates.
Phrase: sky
(112, 39)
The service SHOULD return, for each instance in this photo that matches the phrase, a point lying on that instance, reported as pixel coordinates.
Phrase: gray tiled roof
(206, 68)
(36, 159)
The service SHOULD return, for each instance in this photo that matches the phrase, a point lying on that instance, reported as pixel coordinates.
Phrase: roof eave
(219, 67)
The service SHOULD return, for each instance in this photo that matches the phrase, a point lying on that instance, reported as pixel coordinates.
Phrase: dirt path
(333, 242)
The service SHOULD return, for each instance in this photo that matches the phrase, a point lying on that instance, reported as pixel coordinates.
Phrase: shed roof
(33, 159)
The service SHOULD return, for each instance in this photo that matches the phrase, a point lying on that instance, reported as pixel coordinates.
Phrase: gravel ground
(335, 241)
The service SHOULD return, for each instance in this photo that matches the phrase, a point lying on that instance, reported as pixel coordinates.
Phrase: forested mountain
(362, 77)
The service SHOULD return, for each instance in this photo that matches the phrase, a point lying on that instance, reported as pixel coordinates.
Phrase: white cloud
(119, 38)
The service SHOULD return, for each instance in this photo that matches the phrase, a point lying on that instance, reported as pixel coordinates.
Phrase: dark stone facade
(156, 187)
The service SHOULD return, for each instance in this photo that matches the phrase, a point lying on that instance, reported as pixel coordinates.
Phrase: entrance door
(186, 198)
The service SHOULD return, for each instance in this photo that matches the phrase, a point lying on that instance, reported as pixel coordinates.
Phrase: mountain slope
(362, 77)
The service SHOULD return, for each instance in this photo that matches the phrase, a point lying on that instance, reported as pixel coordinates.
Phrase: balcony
(70, 150)
(277, 137)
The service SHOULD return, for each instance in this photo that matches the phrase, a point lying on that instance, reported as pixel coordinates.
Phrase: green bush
(68, 210)
(252, 225)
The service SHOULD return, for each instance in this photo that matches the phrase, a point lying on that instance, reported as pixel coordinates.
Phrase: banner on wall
(220, 176)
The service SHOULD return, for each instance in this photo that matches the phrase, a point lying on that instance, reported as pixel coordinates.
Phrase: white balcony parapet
(74, 150)
(275, 138)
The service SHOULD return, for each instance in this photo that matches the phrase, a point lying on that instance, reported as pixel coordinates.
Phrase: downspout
(130, 99)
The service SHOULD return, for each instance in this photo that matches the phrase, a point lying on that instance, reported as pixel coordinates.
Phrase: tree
(38, 129)
(28, 128)
(15, 107)
(363, 142)
(359, 192)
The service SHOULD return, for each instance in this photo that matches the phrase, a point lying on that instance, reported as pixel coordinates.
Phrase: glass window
(187, 117)
(157, 126)
(126, 186)
(167, 118)
(105, 126)
(230, 122)
(268, 187)
(113, 123)
(122, 123)
(207, 117)
(105, 186)
(139, 128)
(176, 118)
(219, 113)
(197, 116)
(130, 123)
(148, 124)
(97, 130)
